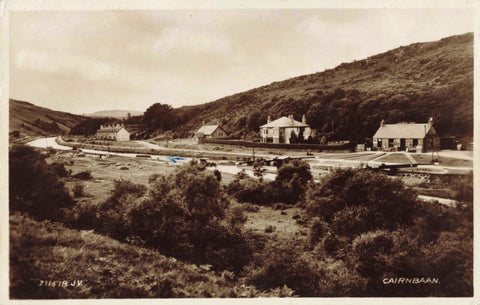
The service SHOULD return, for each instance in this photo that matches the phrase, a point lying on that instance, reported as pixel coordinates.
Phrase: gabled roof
(209, 129)
(284, 122)
(402, 130)
(110, 129)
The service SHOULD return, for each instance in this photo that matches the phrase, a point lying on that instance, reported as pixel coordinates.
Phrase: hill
(409, 83)
(31, 120)
(118, 114)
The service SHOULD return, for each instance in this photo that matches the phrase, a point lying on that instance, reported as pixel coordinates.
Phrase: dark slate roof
(402, 130)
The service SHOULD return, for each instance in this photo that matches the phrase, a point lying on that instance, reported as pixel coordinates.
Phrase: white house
(114, 132)
(282, 129)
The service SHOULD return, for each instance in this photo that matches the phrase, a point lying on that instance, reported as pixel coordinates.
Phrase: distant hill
(409, 83)
(31, 120)
(118, 114)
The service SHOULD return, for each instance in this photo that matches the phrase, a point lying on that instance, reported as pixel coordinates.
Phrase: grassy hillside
(31, 120)
(409, 83)
(105, 267)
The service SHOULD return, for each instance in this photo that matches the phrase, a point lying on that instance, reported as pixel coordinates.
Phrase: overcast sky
(86, 61)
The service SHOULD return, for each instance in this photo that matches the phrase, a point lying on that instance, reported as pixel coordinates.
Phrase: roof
(208, 129)
(402, 130)
(110, 129)
(284, 122)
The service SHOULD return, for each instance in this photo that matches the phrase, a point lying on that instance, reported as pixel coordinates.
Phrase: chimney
(218, 123)
(101, 126)
(269, 119)
(203, 123)
(304, 119)
(291, 119)
(382, 123)
(430, 122)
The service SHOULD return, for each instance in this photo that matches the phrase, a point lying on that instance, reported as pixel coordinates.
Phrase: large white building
(282, 129)
(114, 132)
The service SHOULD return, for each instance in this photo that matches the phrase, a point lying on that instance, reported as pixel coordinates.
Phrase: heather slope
(409, 83)
(33, 120)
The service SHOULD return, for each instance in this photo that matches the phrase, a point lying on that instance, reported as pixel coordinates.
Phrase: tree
(254, 121)
(160, 116)
(34, 188)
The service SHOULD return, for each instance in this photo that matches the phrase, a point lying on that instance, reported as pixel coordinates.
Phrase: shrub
(85, 175)
(184, 215)
(250, 190)
(361, 200)
(291, 182)
(78, 190)
(59, 170)
(270, 229)
(34, 189)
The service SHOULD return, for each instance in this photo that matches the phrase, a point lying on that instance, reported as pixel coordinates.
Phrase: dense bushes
(288, 187)
(355, 201)
(182, 215)
(376, 228)
(33, 186)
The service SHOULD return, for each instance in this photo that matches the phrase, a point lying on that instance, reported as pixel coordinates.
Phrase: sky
(87, 61)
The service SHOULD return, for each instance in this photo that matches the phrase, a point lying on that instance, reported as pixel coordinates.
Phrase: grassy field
(105, 171)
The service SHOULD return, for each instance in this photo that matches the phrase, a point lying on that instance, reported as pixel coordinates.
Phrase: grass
(444, 161)
(286, 228)
(106, 171)
(48, 251)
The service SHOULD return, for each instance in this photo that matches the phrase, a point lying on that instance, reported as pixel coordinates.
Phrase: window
(415, 142)
(390, 142)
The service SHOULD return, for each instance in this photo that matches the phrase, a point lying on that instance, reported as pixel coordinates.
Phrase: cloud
(75, 65)
(175, 38)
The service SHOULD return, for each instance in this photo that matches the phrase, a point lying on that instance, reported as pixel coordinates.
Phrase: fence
(319, 147)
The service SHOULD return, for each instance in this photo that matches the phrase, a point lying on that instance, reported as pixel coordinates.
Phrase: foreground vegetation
(184, 234)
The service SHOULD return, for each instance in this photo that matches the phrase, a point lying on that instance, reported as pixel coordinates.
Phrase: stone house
(406, 136)
(114, 132)
(282, 129)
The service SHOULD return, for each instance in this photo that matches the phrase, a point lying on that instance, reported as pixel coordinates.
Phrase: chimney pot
(382, 123)
(430, 121)
(269, 119)
(304, 119)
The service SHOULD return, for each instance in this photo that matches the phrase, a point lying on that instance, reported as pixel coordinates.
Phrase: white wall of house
(123, 135)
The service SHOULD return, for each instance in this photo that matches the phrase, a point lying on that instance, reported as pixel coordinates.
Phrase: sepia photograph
(240, 152)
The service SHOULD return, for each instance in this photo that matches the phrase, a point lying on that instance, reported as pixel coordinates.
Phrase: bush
(78, 190)
(85, 175)
(289, 186)
(291, 182)
(250, 190)
(356, 201)
(184, 215)
(34, 189)
(59, 170)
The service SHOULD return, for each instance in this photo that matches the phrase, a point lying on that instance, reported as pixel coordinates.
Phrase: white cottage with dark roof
(282, 129)
(113, 132)
(402, 136)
